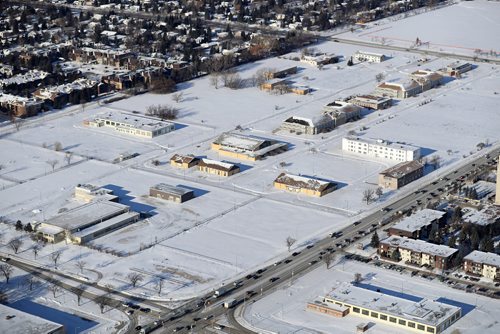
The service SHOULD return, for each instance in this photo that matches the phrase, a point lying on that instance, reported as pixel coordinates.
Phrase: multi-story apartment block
(20, 106)
(369, 56)
(418, 252)
(132, 124)
(379, 148)
(419, 224)
(400, 175)
(483, 264)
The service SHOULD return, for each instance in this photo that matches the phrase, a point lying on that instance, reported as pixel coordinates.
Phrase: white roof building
(380, 148)
(418, 220)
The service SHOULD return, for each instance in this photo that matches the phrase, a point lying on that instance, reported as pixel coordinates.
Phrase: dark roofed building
(400, 175)
(171, 193)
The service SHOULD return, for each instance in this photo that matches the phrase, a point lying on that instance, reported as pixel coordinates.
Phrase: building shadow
(466, 308)
(389, 292)
(126, 199)
(197, 192)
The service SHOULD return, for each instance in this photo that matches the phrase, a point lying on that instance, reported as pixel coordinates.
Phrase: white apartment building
(380, 149)
(369, 56)
(132, 124)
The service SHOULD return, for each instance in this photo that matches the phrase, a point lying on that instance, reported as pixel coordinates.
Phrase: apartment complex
(372, 101)
(217, 167)
(19, 106)
(379, 148)
(369, 56)
(171, 193)
(74, 92)
(132, 124)
(424, 316)
(483, 264)
(400, 175)
(418, 252)
(183, 161)
(419, 224)
(247, 147)
(304, 185)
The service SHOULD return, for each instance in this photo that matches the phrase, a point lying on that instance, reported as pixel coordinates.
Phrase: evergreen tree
(375, 240)
(487, 245)
(396, 256)
(19, 226)
(474, 239)
(349, 62)
(452, 241)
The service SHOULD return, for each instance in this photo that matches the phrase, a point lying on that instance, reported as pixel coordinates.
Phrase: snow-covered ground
(284, 311)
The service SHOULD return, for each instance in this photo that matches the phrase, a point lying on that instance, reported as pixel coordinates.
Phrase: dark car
(310, 246)
(273, 279)
(145, 309)
(295, 253)
(288, 261)
(357, 223)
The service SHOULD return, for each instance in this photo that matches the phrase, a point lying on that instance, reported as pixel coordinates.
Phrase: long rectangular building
(247, 147)
(483, 264)
(303, 184)
(417, 252)
(217, 167)
(379, 148)
(418, 225)
(424, 316)
(400, 175)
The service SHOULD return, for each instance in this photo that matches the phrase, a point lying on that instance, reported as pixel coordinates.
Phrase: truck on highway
(230, 303)
(221, 291)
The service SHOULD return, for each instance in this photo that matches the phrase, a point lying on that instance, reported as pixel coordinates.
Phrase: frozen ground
(476, 21)
(284, 311)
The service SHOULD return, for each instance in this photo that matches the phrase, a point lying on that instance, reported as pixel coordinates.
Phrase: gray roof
(418, 220)
(419, 246)
(166, 188)
(18, 322)
(491, 259)
(402, 169)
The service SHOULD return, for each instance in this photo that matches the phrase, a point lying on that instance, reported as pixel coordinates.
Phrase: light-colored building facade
(132, 124)
(424, 316)
(380, 149)
(217, 167)
(369, 56)
(400, 175)
(342, 112)
(89, 192)
(483, 264)
(19, 106)
(427, 79)
(183, 161)
(308, 126)
(247, 147)
(304, 185)
(418, 252)
(399, 90)
(372, 102)
(458, 68)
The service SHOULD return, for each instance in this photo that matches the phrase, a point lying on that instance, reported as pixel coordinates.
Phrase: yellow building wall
(236, 155)
(489, 271)
(309, 192)
(426, 259)
(179, 165)
(405, 255)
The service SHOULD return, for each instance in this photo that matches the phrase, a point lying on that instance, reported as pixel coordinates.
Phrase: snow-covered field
(284, 311)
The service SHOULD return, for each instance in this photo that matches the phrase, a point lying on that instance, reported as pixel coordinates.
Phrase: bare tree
(68, 157)
(58, 146)
(328, 259)
(159, 284)
(30, 281)
(6, 270)
(18, 122)
(80, 265)
(214, 80)
(15, 244)
(56, 256)
(358, 278)
(36, 249)
(368, 195)
(102, 301)
(162, 111)
(135, 278)
(52, 163)
(177, 97)
(78, 291)
(54, 289)
(289, 242)
(379, 192)
(380, 77)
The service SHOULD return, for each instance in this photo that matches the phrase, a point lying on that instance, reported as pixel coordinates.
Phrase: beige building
(399, 90)
(132, 124)
(458, 68)
(183, 161)
(247, 147)
(483, 264)
(400, 175)
(304, 185)
(88, 192)
(380, 149)
(372, 102)
(427, 79)
(217, 167)
(424, 316)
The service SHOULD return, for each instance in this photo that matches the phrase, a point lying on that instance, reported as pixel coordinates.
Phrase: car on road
(5, 259)
(309, 246)
(357, 223)
(145, 309)
(295, 253)
(312, 262)
(130, 312)
(248, 276)
(134, 306)
(277, 263)
(273, 279)
(288, 261)
(260, 271)
(138, 328)
(179, 328)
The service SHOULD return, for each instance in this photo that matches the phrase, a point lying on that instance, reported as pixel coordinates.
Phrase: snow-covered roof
(419, 246)
(217, 164)
(425, 311)
(14, 99)
(384, 143)
(78, 84)
(87, 214)
(127, 216)
(303, 182)
(373, 54)
(251, 145)
(486, 216)
(403, 85)
(171, 189)
(402, 169)
(491, 259)
(19, 79)
(179, 158)
(135, 121)
(312, 122)
(418, 220)
(18, 322)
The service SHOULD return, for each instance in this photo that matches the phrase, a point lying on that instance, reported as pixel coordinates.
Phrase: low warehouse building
(217, 167)
(18, 322)
(305, 185)
(372, 102)
(183, 161)
(171, 193)
(308, 126)
(107, 226)
(247, 147)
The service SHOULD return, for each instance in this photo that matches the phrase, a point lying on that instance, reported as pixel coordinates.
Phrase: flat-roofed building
(247, 147)
(369, 56)
(400, 175)
(457, 68)
(328, 308)
(418, 252)
(372, 102)
(427, 79)
(18, 322)
(484, 219)
(342, 112)
(308, 126)
(483, 264)
(282, 73)
(419, 224)
(105, 227)
(89, 192)
(183, 161)
(304, 185)
(320, 59)
(132, 124)
(424, 316)
(171, 193)
(274, 84)
(380, 148)
(217, 167)
(399, 90)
